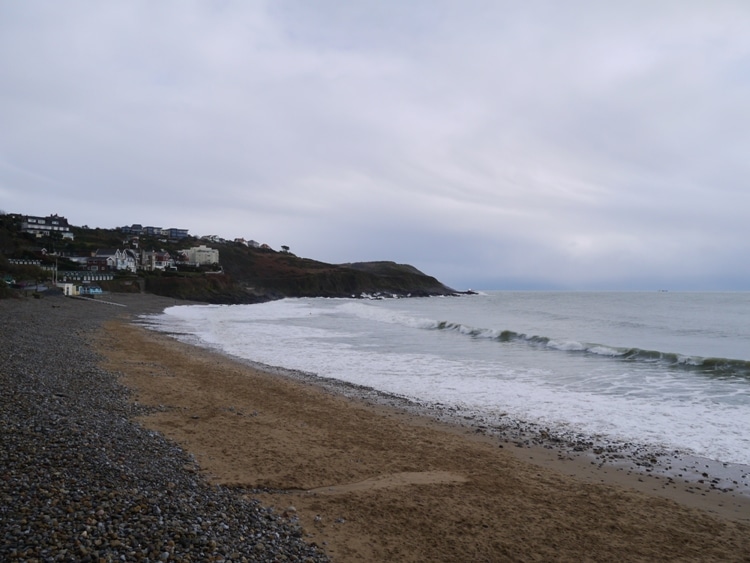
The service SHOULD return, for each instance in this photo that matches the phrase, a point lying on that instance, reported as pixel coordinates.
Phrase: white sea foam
(588, 388)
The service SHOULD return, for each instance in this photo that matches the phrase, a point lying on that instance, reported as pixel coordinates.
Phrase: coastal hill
(244, 274)
(253, 274)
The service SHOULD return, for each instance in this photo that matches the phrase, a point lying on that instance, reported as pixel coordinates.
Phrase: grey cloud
(574, 145)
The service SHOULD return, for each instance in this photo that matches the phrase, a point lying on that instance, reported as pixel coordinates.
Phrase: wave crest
(720, 367)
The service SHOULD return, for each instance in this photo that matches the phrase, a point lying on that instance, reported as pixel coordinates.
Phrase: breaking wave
(717, 367)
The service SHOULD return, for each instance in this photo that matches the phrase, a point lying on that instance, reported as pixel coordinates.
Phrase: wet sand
(371, 482)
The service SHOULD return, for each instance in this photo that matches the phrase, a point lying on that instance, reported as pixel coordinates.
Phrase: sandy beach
(371, 482)
(124, 444)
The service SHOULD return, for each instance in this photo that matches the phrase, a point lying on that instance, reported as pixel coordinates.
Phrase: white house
(119, 259)
(202, 255)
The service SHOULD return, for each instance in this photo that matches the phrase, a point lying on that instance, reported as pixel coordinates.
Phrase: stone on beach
(80, 481)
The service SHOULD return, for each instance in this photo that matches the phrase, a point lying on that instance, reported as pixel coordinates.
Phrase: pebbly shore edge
(81, 481)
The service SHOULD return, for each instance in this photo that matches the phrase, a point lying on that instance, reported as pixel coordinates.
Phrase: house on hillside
(248, 243)
(129, 259)
(135, 229)
(119, 259)
(110, 255)
(151, 231)
(175, 234)
(98, 263)
(45, 226)
(152, 260)
(202, 255)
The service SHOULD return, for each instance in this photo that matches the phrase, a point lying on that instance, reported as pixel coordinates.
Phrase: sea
(666, 370)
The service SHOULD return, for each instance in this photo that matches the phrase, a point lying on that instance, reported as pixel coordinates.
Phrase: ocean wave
(719, 367)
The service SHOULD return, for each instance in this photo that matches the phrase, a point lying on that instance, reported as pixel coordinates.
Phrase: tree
(284, 248)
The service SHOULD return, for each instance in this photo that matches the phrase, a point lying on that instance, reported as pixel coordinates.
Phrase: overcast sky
(493, 144)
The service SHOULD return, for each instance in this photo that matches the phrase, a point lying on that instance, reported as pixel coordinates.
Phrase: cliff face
(219, 289)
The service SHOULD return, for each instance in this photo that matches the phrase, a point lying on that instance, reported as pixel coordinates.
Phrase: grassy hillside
(248, 274)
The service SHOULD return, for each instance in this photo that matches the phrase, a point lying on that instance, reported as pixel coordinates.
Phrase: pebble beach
(81, 481)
